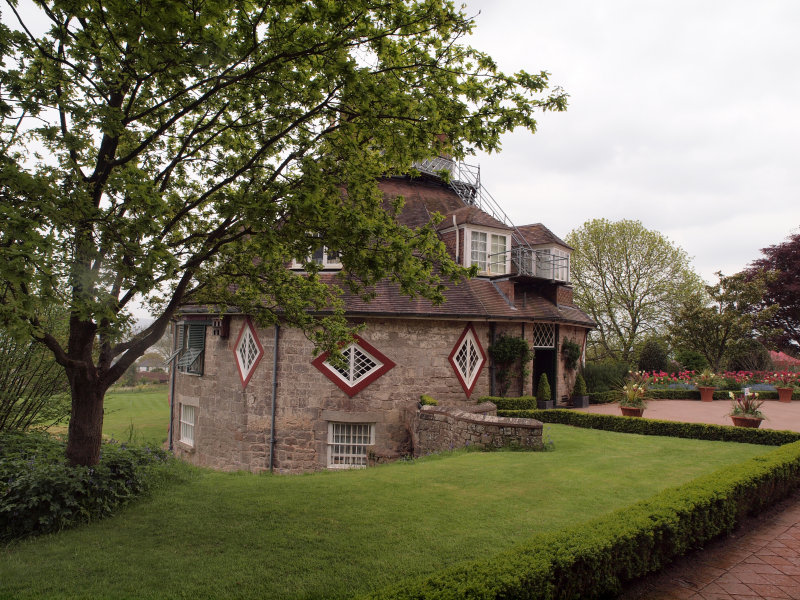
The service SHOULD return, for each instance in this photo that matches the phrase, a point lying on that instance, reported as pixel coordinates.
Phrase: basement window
(347, 444)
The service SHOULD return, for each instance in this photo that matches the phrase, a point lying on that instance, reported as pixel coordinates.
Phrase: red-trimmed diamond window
(362, 364)
(248, 352)
(467, 359)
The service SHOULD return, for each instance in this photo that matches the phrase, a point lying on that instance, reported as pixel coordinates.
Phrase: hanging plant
(510, 356)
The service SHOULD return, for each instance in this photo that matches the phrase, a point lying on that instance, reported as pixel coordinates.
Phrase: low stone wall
(439, 428)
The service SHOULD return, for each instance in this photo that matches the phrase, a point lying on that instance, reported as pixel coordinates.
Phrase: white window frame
(352, 379)
(546, 267)
(245, 365)
(486, 258)
(470, 342)
(343, 451)
(188, 419)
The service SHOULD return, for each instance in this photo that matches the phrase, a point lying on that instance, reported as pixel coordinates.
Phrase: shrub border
(595, 558)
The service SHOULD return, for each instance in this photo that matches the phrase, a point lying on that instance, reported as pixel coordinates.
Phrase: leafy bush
(748, 355)
(604, 376)
(691, 360)
(41, 493)
(543, 389)
(593, 559)
(653, 356)
(520, 403)
(425, 400)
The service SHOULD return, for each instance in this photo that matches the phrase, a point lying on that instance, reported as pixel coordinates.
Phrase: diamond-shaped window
(467, 359)
(361, 365)
(248, 352)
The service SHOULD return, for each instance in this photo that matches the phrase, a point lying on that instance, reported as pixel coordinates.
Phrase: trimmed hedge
(519, 403)
(594, 559)
(604, 397)
(643, 426)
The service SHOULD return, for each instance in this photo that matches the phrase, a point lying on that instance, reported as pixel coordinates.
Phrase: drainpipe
(491, 363)
(172, 386)
(274, 395)
(456, 228)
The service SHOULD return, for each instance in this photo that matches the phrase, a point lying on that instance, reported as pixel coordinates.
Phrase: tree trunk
(86, 420)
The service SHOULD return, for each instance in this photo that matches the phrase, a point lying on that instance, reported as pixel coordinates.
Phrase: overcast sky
(684, 115)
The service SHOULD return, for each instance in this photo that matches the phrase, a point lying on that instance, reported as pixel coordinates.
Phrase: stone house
(248, 398)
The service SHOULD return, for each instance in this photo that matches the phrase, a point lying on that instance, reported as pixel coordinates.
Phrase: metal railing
(465, 180)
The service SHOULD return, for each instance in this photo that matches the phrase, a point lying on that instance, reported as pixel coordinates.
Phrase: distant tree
(726, 313)
(691, 360)
(653, 356)
(171, 152)
(782, 290)
(747, 355)
(630, 280)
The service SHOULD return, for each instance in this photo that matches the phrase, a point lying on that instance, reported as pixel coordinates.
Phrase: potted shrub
(706, 382)
(543, 394)
(579, 397)
(745, 410)
(632, 403)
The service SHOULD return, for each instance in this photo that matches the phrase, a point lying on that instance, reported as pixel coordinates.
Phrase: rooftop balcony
(542, 264)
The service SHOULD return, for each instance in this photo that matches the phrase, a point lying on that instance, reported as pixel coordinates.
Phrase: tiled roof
(423, 196)
(472, 215)
(537, 234)
(473, 298)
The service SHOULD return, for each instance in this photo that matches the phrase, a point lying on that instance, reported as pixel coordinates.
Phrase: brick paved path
(760, 559)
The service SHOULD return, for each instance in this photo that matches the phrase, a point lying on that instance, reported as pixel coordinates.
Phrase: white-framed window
(467, 359)
(248, 351)
(544, 335)
(347, 444)
(357, 365)
(552, 263)
(187, 421)
(361, 364)
(489, 251)
(191, 347)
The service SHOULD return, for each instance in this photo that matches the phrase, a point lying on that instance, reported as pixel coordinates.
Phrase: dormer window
(323, 256)
(489, 251)
(552, 263)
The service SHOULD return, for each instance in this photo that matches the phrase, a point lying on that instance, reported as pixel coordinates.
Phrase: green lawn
(335, 534)
(137, 415)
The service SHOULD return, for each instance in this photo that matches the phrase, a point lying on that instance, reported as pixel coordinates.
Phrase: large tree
(630, 280)
(170, 152)
(782, 291)
(723, 315)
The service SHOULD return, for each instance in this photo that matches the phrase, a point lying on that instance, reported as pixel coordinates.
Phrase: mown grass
(139, 415)
(336, 534)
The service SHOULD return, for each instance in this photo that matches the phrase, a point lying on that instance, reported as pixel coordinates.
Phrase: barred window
(544, 335)
(347, 444)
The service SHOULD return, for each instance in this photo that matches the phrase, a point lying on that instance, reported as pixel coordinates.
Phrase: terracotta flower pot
(631, 411)
(784, 394)
(706, 393)
(745, 421)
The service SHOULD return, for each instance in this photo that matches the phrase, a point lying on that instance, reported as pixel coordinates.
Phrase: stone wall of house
(233, 421)
(444, 428)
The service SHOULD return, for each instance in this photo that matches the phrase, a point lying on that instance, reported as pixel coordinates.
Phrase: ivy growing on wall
(511, 356)
(570, 352)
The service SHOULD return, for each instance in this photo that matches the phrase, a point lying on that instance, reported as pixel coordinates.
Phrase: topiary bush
(653, 356)
(580, 386)
(543, 389)
(41, 493)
